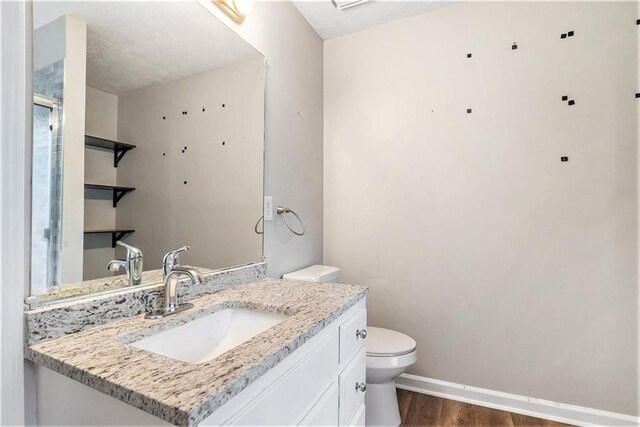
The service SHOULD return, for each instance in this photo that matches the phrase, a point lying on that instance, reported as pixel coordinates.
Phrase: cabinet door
(325, 412)
(358, 419)
(352, 380)
(291, 396)
(352, 334)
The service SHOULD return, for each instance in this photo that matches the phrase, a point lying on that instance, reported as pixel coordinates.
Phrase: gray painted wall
(191, 189)
(513, 271)
(293, 127)
(101, 120)
(49, 43)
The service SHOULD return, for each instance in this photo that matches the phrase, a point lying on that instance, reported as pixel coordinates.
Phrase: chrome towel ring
(284, 211)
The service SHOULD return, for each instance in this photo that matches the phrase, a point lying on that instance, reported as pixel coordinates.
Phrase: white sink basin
(206, 338)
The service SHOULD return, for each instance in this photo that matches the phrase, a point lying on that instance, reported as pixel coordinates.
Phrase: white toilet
(389, 353)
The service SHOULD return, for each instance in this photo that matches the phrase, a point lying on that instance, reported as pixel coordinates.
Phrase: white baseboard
(539, 408)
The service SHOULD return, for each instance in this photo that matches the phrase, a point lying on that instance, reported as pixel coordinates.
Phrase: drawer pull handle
(361, 333)
(361, 387)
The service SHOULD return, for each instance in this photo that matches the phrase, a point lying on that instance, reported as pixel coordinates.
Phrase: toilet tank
(315, 274)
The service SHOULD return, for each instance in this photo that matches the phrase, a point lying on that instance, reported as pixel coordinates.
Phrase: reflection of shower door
(46, 196)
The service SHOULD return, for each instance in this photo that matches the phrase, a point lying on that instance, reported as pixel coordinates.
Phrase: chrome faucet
(171, 271)
(132, 264)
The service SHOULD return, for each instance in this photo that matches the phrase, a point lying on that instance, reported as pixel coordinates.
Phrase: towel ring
(257, 224)
(284, 211)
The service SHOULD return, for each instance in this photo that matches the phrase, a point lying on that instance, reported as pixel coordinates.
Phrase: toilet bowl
(389, 353)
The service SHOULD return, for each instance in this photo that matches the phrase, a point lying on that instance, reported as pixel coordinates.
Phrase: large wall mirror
(148, 127)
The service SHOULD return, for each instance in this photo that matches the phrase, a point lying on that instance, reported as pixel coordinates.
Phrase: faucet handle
(116, 264)
(132, 251)
(171, 258)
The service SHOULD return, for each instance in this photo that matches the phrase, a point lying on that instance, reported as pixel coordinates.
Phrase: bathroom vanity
(271, 352)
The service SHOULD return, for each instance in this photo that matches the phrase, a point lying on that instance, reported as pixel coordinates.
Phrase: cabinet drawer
(352, 397)
(325, 412)
(350, 340)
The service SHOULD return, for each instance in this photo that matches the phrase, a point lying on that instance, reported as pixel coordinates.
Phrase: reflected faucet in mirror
(171, 271)
(132, 264)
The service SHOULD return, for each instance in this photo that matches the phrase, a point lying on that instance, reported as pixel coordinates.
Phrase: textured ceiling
(330, 22)
(132, 45)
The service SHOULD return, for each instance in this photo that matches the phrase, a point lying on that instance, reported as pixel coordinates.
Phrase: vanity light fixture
(236, 9)
(342, 5)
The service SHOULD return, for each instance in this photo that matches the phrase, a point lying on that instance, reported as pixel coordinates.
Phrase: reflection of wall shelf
(118, 190)
(116, 234)
(119, 148)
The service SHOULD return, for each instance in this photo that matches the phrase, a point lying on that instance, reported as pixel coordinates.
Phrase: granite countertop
(84, 288)
(184, 393)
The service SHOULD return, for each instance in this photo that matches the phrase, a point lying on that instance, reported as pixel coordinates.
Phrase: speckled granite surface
(71, 316)
(79, 289)
(183, 393)
(96, 286)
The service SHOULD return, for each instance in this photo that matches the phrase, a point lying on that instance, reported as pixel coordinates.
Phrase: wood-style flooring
(422, 410)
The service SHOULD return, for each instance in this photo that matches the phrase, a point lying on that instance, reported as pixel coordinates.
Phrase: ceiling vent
(346, 4)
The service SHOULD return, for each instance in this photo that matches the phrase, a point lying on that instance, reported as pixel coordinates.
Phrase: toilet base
(382, 405)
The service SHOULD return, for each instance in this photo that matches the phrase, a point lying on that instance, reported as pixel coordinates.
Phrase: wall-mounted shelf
(116, 234)
(118, 191)
(119, 148)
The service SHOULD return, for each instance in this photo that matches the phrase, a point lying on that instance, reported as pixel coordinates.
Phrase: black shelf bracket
(118, 235)
(119, 148)
(118, 154)
(118, 193)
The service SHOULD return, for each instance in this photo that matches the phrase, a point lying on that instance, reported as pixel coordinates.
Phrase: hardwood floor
(422, 410)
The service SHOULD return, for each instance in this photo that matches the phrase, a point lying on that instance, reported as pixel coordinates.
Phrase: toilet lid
(315, 273)
(385, 342)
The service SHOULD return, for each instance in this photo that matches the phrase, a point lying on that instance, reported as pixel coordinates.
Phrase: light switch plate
(268, 208)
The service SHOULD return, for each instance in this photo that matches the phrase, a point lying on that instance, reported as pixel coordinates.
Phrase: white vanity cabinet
(320, 383)
(315, 385)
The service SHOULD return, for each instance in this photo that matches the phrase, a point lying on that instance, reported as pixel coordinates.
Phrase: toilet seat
(392, 362)
(383, 342)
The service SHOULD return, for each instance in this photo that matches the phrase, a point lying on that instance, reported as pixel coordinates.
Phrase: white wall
(15, 110)
(293, 127)
(75, 66)
(513, 271)
(101, 120)
(209, 195)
